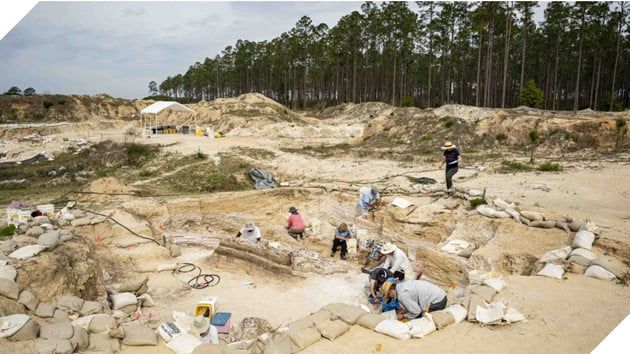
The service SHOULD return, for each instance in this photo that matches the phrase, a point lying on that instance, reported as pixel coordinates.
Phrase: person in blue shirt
(451, 160)
(368, 200)
(342, 234)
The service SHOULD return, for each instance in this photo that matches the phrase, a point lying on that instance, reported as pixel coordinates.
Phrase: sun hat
(293, 210)
(388, 248)
(448, 146)
(386, 287)
(250, 226)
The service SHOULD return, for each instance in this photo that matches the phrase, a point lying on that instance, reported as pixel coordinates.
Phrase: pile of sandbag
(580, 259)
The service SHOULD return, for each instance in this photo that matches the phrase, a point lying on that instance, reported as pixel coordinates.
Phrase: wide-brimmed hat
(448, 146)
(293, 210)
(385, 288)
(250, 226)
(388, 248)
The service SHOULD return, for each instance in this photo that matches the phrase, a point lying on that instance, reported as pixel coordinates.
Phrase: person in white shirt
(250, 232)
(396, 260)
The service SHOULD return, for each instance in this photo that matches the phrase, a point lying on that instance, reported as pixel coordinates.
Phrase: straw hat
(385, 288)
(388, 248)
(200, 325)
(448, 146)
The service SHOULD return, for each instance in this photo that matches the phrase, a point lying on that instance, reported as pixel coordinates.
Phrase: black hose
(199, 281)
(121, 225)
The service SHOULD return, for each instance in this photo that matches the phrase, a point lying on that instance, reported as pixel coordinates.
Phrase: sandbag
(420, 327)
(583, 252)
(28, 299)
(349, 314)
(9, 325)
(599, 272)
(279, 344)
(10, 289)
(458, 311)
(500, 204)
(532, 215)
(175, 250)
(54, 346)
(487, 293)
(492, 314)
(558, 255)
(81, 338)
(583, 239)
(57, 330)
(27, 252)
(44, 310)
(139, 335)
(393, 328)
(579, 260)
(103, 342)
(494, 283)
(122, 300)
(332, 329)
(576, 268)
(613, 265)
(311, 320)
(575, 226)
(90, 308)
(101, 323)
(35, 231)
(83, 322)
(512, 315)
(146, 300)
(133, 286)
(474, 301)
(28, 331)
(549, 224)
(69, 303)
(49, 239)
(303, 338)
(370, 320)
(60, 316)
(486, 210)
(552, 271)
(7, 272)
(501, 215)
(442, 318)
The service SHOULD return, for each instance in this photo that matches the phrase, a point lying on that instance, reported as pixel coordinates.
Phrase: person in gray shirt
(416, 297)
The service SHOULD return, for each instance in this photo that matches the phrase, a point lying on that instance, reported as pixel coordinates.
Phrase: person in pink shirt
(295, 224)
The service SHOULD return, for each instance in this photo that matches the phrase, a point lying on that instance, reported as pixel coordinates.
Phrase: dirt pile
(49, 108)
(418, 130)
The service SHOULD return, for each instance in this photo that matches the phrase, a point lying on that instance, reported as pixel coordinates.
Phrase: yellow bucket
(206, 308)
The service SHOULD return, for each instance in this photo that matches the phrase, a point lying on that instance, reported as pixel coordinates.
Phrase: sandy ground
(568, 316)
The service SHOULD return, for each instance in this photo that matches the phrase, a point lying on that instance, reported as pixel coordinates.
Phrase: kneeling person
(416, 296)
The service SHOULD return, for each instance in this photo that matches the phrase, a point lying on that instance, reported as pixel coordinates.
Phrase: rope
(201, 280)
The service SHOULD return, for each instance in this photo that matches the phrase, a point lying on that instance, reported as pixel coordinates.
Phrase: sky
(118, 47)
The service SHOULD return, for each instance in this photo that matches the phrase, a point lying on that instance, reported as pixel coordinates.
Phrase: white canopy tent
(148, 115)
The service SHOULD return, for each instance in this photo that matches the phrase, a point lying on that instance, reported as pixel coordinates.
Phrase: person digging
(295, 224)
(416, 297)
(342, 234)
(451, 160)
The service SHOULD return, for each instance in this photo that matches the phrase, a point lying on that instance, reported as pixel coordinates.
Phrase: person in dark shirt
(451, 160)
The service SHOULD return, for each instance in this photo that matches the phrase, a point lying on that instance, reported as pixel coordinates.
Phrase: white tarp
(159, 106)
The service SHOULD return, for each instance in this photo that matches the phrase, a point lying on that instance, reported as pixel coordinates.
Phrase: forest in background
(426, 54)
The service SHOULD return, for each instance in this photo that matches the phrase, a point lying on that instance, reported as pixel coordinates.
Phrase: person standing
(295, 224)
(342, 233)
(451, 160)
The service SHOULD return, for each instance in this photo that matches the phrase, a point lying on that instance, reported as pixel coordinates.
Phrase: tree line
(426, 54)
(16, 91)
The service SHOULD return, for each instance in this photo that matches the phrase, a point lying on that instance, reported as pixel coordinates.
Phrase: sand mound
(108, 185)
